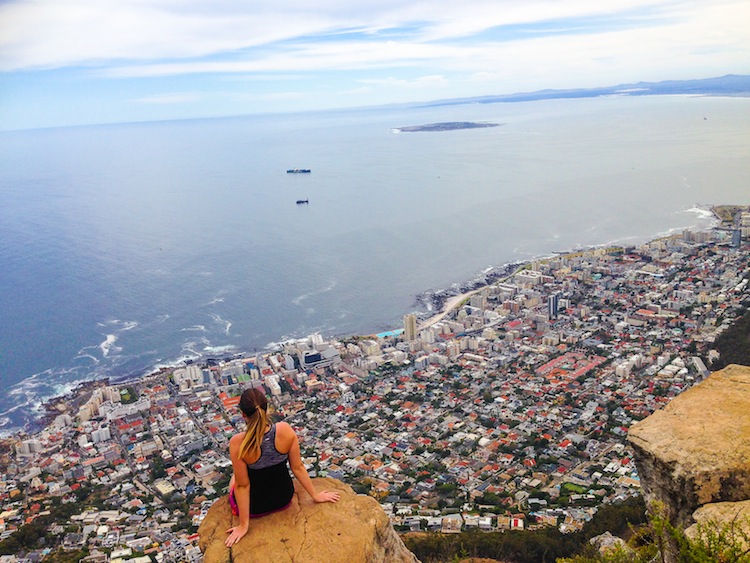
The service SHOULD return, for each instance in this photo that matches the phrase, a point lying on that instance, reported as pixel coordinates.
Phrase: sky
(77, 62)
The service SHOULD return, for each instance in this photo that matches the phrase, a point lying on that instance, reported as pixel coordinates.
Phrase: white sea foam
(184, 359)
(703, 212)
(188, 350)
(192, 346)
(668, 233)
(190, 353)
(27, 386)
(60, 389)
(706, 221)
(83, 351)
(330, 287)
(196, 328)
(120, 324)
(219, 349)
(218, 320)
(276, 345)
(31, 394)
(291, 339)
(17, 389)
(107, 345)
(625, 241)
(22, 405)
(177, 362)
(86, 356)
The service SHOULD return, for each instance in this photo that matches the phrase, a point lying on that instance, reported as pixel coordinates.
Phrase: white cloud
(337, 55)
(49, 34)
(167, 37)
(170, 98)
(432, 81)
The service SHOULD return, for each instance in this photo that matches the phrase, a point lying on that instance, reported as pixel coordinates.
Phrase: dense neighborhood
(508, 412)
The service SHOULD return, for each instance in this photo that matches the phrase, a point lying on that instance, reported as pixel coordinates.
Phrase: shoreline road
(454, 301)
(449, 305)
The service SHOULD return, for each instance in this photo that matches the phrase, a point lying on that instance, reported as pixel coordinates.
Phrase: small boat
(298, 171)
(301, 201)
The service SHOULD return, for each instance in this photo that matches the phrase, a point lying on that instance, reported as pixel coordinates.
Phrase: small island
(446, 126)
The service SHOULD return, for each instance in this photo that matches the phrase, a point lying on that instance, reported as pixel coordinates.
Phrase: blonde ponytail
(256, 429)
(254, 406)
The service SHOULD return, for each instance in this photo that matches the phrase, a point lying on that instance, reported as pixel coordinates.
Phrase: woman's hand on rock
(236, 533)
(327, 496)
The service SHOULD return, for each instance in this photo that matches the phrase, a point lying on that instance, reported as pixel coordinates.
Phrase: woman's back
(269, 452)
(271, 486)
(279, 438)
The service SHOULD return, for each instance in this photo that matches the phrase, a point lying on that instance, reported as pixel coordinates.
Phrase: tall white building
(101, 435)
(553, 304)
(29, 447)
(188, 377)
(427, 336)
(410, 327)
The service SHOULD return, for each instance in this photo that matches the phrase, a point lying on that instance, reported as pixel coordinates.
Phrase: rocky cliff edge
(695, 452)
(353, 529)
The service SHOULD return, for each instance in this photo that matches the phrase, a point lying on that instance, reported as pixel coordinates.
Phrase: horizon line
(515, 97)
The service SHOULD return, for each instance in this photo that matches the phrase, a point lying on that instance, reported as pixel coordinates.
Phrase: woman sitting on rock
(261, 457)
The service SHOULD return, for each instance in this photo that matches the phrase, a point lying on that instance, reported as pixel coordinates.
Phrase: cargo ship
(298, 171)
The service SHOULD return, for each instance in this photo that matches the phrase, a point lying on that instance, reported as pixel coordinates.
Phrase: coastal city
(508, 410)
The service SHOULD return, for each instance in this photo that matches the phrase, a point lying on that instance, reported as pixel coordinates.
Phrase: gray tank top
(269, 455)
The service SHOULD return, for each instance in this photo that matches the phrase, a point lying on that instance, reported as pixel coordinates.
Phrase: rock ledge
(353, 529)
(696, 450)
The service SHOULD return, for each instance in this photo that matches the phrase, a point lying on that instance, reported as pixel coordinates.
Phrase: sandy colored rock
(353, 529)
(606, 542)
(736, 515)
(696, 450)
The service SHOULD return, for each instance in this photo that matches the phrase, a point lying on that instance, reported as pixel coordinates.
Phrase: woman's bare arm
(289, 437)
(241, 491)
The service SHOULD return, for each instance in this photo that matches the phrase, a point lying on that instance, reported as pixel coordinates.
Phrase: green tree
(734, 343)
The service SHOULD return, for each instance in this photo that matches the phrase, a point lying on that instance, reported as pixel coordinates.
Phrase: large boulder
(735, 516)
(353, 529)
(607, 543)
(696, 450)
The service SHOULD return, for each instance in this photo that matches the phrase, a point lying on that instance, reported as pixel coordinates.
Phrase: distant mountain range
(729, 85)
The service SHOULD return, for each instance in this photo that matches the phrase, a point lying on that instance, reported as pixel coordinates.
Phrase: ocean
(129, 247)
